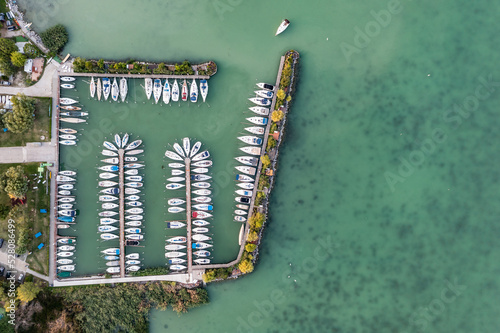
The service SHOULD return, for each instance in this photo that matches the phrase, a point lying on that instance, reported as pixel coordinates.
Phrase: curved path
(43, 88)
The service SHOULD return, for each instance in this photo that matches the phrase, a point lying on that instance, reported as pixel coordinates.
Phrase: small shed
(28, 66)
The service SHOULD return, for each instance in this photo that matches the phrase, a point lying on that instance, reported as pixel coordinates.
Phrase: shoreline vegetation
(284, 95)
(131, 66)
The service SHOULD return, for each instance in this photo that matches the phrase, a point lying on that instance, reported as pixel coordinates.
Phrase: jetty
(187, 162)
(140, 76)
(121, 185)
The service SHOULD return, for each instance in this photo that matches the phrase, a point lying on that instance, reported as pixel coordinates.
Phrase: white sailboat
(106, 87)
(193, 94)
(99, 89)
(92, 87)
(204, 89)
(115, 90)
(148, 86)
(157, 90)
(166, 92)
(175, 91)
(123, 88)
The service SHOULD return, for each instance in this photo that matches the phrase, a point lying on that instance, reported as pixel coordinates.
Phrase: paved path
(32, 152)
(43, 88)
(141, 76)
(19, 266)
(183, 278)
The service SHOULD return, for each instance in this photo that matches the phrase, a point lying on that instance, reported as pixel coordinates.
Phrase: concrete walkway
(43, 88)
(32, 152)
(20, 264)
(182, 278)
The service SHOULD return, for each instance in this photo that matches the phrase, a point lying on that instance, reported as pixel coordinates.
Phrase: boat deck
(121, 185)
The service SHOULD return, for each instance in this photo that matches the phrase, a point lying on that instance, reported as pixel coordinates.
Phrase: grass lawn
(3, 7)
(41, 127)
(37, 222)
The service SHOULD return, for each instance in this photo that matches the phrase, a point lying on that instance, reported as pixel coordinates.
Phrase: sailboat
(115, 91)
(284, 24)
(106, 87)
(175, 91)
(67, 101)
(184, 91)
(187, 146)
(123, 89)
(166, 92)
(204, 89)
(194, 92)
(92, 87)
(148, 82)
(99, 89)
(157, 90)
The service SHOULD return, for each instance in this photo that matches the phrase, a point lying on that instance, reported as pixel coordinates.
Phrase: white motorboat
(173, 156)
(176, 179)
(133, 223)
(202, 261)
(200, 177)
(109, 168)
(251, 140)
(133, 165)
(132, 262)
(203, 207)
(134, 256)
(109, 205)
(175, 261)
(113, 270)
(240, 212)
(201, 214)
(200, 237)
(166, 92)
(201, 156)
(132, 197)
(240, 206)
(106, 228)
(176, 172)
(193, 94)
(177, 267)
(266, 86)
(65, 206)
(106, 87)
(64, 254)
(264, 93)
(107, 220)
(203, 185)
(107, 198)
(175, 209)
(107, 175)
(202, 253)
(73, 120)
(64, 192)
(134, 152)
(109, 146)
(246, 170)
(186, 144)
(204, 89)
(118, 141)
(184, 91)
(62, 178)
(74, 113)
(66, 268)
(201, 245)
(67, 86)
(157, 90)
(246, 186)
(113, 263)
(200, 223)
(174, 247)
(284, 24)
(134, 217)
(148, 86)
(115, 90)
(200, 230)
(99, 89)
(133, 145)
(177, 240)
(202, 199)
(130, 159)
(68, 131)
(66, 199)
(175, 201)
(125, 140)
(260, 110)
(175, 91)
(175, 165)
(195, 149)
(199, 170)
(175, 225)
(110, 190)
(67, 173)
(202, 164)
(251, 150)
(133, 268)
(134, 178)
(68, 142)
(113, 160)
(133, 203)
(111, 251)
(134, 236)
(240, 218)
(107, 152)
(134, 211)
(177, 147)
(92, 87)
(134, 184)
(108, 213)
(66, 248)
(203, 192)
(132, 191)
(244, 178)
(67, 78)
(70, 107)
(123, 88)
(111, 257)
(247, 160)
(64, 261)
(244, 200)
(174, 254)
(258, 120)
(67, 101)
(260, 101)
(133, 230)
(108, 236)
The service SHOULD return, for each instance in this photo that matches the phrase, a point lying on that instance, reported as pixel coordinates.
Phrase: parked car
(20, 278)
(1, 242)
(11, 28)
(5, 83)
(2, 17)
(2, 270)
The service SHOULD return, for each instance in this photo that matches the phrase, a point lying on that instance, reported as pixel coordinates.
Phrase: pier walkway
(67, 282)
(187, 162)
(140, 76)
(121, 185)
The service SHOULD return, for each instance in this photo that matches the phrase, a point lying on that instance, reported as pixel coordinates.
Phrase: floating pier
(187, 162)
(121, 185)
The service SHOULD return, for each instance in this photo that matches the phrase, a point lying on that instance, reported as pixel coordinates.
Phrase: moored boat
(246, 170)
(92, 87)
(113, 270)
(174, 247)
(251, 140)
(176, 165)
(107, 220)
(203, 164)
(201, 253)
(194, 150)
(67, 137)
(110, 190)
(64, 254)
(68, 130)
(175, 91)
(99, 89)
(203, 207)
(201, 185)
(251, 150)
(199, 170)
(201, 245)
(184, 91)
(106, 87)
(74, 114)
(244, 178)
(133, 145)
(260, 110)
(125, 140)
(68, 142)
(264, 93)
(258, 120)
(200, 237)
(175, 201)
(66, 268)
(67, 101)
(123, 88)
(177, 267)
(247, 160)
(266, 86)
(175, 225)
(260, 101)
(109, 167)
(134, 256)
(177, 147)
(240, 212)
(201, 156)
(67, 86)
(157, 90)
(203, 192)
(72, 120)
(200, 230)
(173, 156)
(134, 236)
(67, 78)
(176, 261)
(174, 254)
(107, 175)
(70, 107)
(204, 89)
(246, 186)
(174, 186)
(107, 152)
(175, 209)
(148, 86)
(202, 261)
(200, 223)
(193, 93)
(108, 236)
(284, 24)
(238, 218)
(111, 251)
(201, 214)
(166, 92)
(115, 90)
(134, 152)
(177, 240)
(202, 199)
(113, 160)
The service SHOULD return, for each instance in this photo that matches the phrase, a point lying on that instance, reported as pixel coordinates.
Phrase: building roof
(28, 66)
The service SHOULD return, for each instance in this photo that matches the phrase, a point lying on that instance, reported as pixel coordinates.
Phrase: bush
(252, 236)
(271, 143)
(184, 68)
(28, 291)
(256, 220)
(55, 38)
(277, 116)
(266, 162)
(246, 266)
(250, 247)
(281, 94)
(258, 199)
(31, 51)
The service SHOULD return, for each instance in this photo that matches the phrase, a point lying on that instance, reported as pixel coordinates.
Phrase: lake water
(384, 215)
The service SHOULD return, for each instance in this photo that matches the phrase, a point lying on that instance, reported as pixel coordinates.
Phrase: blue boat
(66, 219)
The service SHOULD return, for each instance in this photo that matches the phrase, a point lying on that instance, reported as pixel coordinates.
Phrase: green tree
(18, 59)
(256, 220)
(28, 291)
(266, 161)
(79, 64)
(250, 247)
(281, 94)
(14, 182)
(89, 66)
(271, 143)
(55, 38)
(100, 63)
(31, 51)
(20, 120)
(277, 116)
(7, 47)
(4, 212)
(246, 266)
(252, 236)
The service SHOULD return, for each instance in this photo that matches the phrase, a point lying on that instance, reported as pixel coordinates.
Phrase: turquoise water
(356, 124)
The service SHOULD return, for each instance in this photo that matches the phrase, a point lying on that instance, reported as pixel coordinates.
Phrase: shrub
(274, 127)
(250, 247)
(55, 38)
(246, 266)
(277, 116)
(252, 236)
(281, 94)
(256, 220)
(28, 291)
(184, 68)
(266, 162)
(271, 143)
(31, 51)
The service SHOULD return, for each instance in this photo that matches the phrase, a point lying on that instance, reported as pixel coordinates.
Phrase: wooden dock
(187, 162)
(140, 76)
(121, 185)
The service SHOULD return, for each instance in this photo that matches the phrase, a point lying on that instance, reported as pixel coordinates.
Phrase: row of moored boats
(70, 113)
